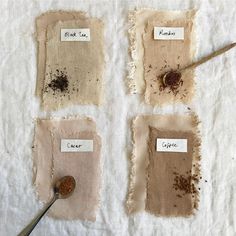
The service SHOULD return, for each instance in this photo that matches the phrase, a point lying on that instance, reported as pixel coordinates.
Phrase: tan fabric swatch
(139, 21)
(140, 158)
(166, 195)
(42, 23)
(81, 62)
(51, 164)
(163, 55)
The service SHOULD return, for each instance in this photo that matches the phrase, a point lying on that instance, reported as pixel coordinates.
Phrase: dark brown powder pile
(171, 80)
(66, 186)
(60, 82)
(185, 183)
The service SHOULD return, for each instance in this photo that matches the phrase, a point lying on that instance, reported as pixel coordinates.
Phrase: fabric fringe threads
(135, 200)
(196, 168)
(132, 51)
(164, 183)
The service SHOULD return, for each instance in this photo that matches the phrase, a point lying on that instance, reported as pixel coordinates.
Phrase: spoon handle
(209, 57)
(28, 229)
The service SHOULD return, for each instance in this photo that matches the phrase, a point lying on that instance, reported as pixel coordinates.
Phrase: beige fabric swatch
(42, 23)
(51, 164)
(167, 169)
(137, 194)
(82, 63)
(163, 55)
(138, 20)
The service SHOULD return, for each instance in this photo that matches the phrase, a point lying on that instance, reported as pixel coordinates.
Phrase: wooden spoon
(173, 77)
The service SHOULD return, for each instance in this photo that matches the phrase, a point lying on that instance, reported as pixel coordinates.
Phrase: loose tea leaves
(171, 80)
(60, 82)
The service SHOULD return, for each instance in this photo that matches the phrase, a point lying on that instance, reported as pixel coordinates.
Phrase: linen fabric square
(150, 58)
(164, 183)
(50, 164)
(69, 72)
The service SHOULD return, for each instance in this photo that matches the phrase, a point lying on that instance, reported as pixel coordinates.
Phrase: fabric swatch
(69, 72)
(150, 58)
(155, 176)
(42, 23)
(161, 56)
(169, 188)
(50, 164)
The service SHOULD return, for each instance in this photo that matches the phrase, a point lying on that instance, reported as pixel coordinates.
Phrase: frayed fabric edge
(132, 52)
(132, 205)
(196, 167)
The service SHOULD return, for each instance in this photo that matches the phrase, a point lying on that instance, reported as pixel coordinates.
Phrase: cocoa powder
(66, 186)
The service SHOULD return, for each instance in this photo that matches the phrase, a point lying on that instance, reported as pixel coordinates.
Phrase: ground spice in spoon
(66, 186)
(60, 82)
(171, 80)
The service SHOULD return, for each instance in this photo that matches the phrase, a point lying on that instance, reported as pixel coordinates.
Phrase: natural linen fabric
(161, 56)
(81, 62)
(140, 159)
(163, 198)
(42, 23)
(50, 164)
(146, 51)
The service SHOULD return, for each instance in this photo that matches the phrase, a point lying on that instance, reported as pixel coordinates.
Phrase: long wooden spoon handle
(209, 57)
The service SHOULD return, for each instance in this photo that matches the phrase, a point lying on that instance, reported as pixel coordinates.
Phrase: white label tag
(76, 145)
(171, 145)
(169, 33)
(75, 34)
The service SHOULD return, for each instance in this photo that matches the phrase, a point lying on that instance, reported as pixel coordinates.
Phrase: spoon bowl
(63, 189)
(171, 78)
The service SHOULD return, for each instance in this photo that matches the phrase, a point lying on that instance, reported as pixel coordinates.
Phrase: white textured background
(214, 103)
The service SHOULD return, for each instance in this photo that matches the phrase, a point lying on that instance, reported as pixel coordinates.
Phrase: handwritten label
(76, 145)
(169, 33)
(75, 34)
(171, 145)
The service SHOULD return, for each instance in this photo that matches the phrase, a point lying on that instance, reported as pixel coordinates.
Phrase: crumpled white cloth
(214, 103)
